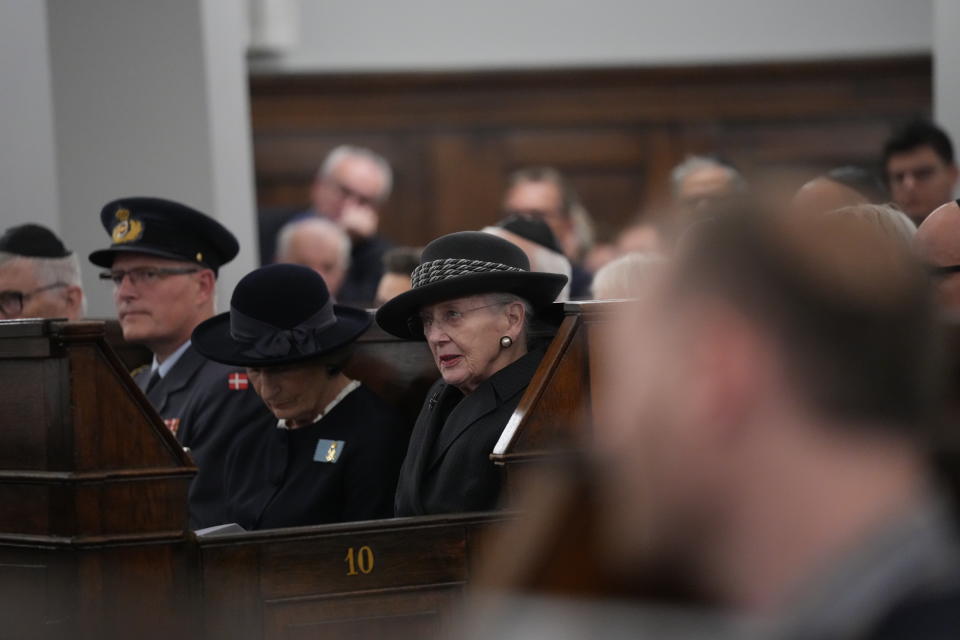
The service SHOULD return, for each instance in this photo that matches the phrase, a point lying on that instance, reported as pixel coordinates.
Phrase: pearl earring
(506, 342)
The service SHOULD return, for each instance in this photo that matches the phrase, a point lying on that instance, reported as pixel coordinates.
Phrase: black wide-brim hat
(165, 229)
(464, 264)
(279, 314)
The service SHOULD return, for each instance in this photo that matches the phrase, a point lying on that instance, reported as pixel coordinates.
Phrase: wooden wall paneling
(467, 181)
(454, 137)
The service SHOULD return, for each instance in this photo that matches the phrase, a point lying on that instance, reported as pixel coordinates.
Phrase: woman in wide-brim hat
(336, 450)
(472, 300)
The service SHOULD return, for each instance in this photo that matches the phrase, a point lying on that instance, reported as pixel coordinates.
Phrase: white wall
(946, 68)
(150, 99)
(443, 34)
(28, 171)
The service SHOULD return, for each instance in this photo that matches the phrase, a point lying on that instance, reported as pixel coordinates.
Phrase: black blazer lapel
(466, 414)
(176, 379)
(502, 386)
(424, 439)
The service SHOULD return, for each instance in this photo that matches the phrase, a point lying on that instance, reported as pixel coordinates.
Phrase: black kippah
(32, 241)
(532, 229)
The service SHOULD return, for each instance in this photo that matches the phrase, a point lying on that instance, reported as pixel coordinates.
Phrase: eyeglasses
(943, 272)
(145, 275)
(449, 319)
(11, 302)
(347, 192)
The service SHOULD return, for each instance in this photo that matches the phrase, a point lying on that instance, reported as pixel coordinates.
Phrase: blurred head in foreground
(767, 403)
(938, 245)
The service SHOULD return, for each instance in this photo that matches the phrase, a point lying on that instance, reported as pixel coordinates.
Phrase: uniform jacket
(292, 477)
(206, 413)
(448, 467)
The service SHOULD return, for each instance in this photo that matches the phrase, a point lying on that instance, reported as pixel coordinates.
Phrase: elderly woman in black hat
(336, 450)
(472, 300)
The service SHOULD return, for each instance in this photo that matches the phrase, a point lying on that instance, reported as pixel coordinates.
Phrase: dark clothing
(281, 477)
(902, 580)
(580, 281)
(206, 413)
(366, 258)
(448, 467)
(366, 268)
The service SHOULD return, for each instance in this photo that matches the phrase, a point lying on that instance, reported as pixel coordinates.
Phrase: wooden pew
(93, 488)
(556, 411)
(395, 578)
(130, 568)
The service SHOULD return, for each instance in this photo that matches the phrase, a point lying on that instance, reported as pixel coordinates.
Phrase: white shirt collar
(347, 390)
(170, 361)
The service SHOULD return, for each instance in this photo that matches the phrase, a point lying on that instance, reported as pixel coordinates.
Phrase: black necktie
(152, 382)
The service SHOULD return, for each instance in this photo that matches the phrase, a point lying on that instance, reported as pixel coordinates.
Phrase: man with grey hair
(317, 243)
(39, 277)
(349, 189)
(700, 181)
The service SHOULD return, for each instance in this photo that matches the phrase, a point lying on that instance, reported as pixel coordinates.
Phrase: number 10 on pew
(359, 561)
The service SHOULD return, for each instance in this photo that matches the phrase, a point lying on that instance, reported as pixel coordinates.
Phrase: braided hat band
(438, 270)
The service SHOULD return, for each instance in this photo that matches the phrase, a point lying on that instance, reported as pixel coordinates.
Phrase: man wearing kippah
(162, 263)
(39, 278)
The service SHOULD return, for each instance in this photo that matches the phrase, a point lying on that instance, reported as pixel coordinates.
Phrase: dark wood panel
(454, 137)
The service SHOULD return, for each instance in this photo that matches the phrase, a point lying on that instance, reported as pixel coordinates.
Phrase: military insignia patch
(173, 424)
(328, 450)
(127, 229)
(238, 381)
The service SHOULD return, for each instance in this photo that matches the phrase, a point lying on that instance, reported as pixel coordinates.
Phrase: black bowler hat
(166, 229)
(464, 264)
(279, 314)
(32, 241)
(533, 229)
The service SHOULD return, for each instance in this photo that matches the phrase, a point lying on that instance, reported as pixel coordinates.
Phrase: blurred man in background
(350, 189)
(534, 236)
(320, 244)
(39, 278)
(772, 403)
(543, 192)
(398, 264)
(699, 182)
(920, 169)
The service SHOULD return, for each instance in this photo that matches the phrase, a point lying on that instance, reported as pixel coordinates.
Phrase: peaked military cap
(164, 228)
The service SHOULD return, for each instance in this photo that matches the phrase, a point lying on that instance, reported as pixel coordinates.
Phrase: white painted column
(946, 67)
(150, 99)
(28, 167)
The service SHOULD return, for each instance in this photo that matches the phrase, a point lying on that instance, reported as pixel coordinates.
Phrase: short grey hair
(290, 230)
(695, 163)
(344, 151)
(51, 270)
(509, 298)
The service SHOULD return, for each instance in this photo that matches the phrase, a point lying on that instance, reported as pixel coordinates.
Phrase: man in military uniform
(163, 261)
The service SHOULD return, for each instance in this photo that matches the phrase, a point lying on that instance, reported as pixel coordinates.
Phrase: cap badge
(127, 229)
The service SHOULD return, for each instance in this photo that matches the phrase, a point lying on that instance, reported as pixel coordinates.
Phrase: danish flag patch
(173, 424)
(237, 381)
